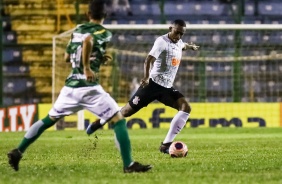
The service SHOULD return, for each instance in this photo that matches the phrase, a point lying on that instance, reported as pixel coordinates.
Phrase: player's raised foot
(93, 127)
(165, 147)
(137, 167)
(14, 157)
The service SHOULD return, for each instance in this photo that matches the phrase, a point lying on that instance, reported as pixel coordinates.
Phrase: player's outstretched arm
(191, 46)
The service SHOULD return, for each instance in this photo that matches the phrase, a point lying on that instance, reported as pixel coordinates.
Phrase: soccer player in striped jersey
(160, 69)
(85, 52)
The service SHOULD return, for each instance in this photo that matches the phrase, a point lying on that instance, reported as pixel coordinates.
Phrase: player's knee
(53, 118)
(127, 111)
(118, 116)
(183, 105)
(188, 108)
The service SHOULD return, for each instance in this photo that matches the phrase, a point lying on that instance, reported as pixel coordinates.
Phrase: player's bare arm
(86, 52)
(191, 46)
(148, 64)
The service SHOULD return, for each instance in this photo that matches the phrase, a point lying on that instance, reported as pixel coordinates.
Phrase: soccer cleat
(14, 157)
(93, 127)
(165, 147)
(137, 167)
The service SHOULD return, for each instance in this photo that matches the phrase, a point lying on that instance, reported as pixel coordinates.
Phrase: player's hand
(144, 82)
(192, 46)
(90, 75)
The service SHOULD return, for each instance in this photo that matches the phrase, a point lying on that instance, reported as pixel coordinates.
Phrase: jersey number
(75, 58)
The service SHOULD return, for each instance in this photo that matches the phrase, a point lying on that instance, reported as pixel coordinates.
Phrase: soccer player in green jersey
(85, 51)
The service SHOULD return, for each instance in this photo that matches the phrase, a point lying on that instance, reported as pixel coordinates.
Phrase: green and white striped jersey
(101, 36)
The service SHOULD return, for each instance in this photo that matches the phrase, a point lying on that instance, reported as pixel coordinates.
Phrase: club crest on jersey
(135, 100)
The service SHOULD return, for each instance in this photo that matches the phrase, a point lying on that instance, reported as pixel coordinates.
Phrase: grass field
(216, 155)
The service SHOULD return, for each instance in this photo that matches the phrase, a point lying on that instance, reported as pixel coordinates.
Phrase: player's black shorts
(151, 92)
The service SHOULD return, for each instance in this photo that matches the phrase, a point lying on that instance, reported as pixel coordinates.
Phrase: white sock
(176, 125)
(33, 130)
(102, 121)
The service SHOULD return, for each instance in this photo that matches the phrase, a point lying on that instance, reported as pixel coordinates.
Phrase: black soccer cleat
(165, 147)
(137, 167)
(14, 157)
(93, 127)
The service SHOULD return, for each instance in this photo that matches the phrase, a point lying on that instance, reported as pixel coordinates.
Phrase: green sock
(34, 132)
(124, 142)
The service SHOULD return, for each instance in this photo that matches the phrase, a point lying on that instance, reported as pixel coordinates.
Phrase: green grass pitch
(216, 155)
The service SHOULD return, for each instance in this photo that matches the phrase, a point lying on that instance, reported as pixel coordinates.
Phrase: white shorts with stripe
(92, 98)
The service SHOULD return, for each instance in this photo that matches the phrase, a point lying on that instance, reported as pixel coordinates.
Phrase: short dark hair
(179, 22)
(97, 9)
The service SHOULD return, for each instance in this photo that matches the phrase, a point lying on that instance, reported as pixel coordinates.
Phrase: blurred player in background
(85, 52)
(160, 69)
(120, 5)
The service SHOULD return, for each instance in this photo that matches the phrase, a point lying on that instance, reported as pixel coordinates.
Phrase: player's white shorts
(92, 98)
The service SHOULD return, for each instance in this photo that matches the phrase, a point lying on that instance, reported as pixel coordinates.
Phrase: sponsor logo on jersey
(175, 62)
(58, 111)
(107, 39)
(135, 100)
(104, 112)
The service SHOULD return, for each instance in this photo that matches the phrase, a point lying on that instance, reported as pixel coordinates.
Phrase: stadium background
(240, 93)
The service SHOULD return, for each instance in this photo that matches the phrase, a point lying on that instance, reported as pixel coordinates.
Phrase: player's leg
(137, 102)
(63, 106)
(123, 141)
(126, 111)
(176, 100)
(142, 97)
(94, 126)
(179, 120)
(31, 135)
(109, 110)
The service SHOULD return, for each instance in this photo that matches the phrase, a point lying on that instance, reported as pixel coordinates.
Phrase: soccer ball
(178, 149)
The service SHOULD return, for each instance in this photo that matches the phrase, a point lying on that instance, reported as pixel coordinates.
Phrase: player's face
(176, 32)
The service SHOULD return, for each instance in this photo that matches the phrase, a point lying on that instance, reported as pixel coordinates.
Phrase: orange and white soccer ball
(178, 149)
